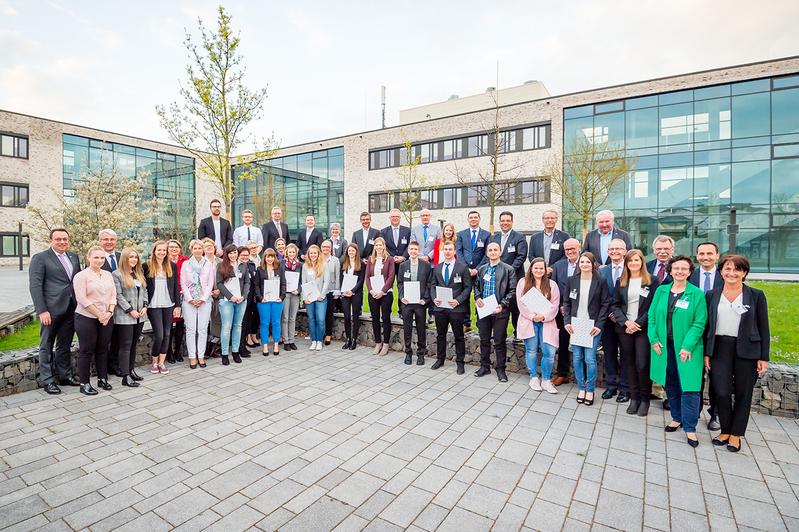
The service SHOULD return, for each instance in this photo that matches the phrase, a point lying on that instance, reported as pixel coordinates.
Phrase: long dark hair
(225, 268)
(529, 279)
(594, 263)
(356, 264)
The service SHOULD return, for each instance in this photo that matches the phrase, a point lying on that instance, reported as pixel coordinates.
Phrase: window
(379, 202)
(9, 243)
(13, 195)
(453, 197)
(14, 146)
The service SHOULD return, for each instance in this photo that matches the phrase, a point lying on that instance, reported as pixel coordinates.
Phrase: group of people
(665, 320)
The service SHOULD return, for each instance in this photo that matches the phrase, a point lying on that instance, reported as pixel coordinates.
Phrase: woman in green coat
(677, 319)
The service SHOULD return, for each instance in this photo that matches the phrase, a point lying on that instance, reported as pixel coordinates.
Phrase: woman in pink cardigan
(196, 283)
(538, 329)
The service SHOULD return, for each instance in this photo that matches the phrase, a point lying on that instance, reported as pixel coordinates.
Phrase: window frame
(16, 194)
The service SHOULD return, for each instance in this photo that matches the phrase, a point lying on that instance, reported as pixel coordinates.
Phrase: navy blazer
(718, 282)
(463, 248)
(754, 337)
(515, 258)
(365, 247)
(650, 267)
(537, 246)
(560, 274)
(592, 243)
(606, 272)
(404, 238)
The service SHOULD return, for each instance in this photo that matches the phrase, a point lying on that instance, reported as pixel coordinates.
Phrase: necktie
(425, 233)
(504, 240)
(616, 273)
(65, 263)
(248, 234)
(446, 273)
(112, 259)
(661, 272)
(474, 239)
(706, 287)
(279, 232)
(396, 237)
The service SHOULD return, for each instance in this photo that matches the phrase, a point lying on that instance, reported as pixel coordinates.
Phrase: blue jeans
(685, 406)
(270, 313)
(531, 353)
(585, 366)
(232, 315)
(316, 319)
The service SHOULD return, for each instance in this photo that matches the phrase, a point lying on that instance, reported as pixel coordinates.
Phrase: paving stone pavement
(343, 440)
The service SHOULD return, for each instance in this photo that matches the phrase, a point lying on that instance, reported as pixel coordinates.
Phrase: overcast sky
(108, 64)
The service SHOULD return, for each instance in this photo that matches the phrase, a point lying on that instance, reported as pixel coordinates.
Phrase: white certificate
(310, 291)
(348, 282)
(445, 295)
(490, 304)
(272, 289)
(292, 281)
(412, 291)
(582, 332)
(536, 302)
(377, 282)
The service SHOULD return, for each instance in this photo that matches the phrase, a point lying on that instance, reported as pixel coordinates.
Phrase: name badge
(481, 244)
(456, 279)
(337, 245)
(403, 240)
(137, 284)
(371, 241)
(487, 277)
(644, 292)
(740, 309)
(511, 249)
(682, 303)
(573, 294)
(431, 239)
(407, 275)
(555, 245)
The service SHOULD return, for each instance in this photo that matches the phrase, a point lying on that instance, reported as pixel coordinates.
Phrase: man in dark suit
(50, 281)
(216, 228)
(495, 278)
(108, 241)
(663, 247)
(470, 249)
(548, 244)
(615, 372)
(310, 236)
(397, 237)
(454, 275)
(514, 253)
(274, 229)
(598, 240)
(365, 236)
(412, 270)
(561, 271)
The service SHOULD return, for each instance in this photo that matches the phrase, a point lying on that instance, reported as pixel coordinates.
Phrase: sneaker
(313, 346)
(535, 384)
(318, 346)
(154, 368)
(548, 386)
(163, 370)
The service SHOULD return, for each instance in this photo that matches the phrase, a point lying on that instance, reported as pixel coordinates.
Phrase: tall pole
(383, 104)
(19, 244)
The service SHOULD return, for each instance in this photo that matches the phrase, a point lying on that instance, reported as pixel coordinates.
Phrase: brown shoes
(557, 381)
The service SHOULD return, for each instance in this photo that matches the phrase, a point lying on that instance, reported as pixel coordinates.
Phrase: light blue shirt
(604, 242)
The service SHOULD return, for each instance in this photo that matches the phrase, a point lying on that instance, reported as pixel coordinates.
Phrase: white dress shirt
(727, 320)
(217, 233)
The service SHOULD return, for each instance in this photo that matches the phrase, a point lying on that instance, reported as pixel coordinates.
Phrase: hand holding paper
(412, 292)
(444, 294)
(490, 305)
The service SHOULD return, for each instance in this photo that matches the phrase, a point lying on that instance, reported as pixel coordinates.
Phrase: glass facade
(699, 154)
(304, 183)
(168, 177)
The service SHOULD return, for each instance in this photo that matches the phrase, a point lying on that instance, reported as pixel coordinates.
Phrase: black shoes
(102, 383)
(672, 428)
(87, 389)
(409, 359)
(666, 404)
(52, 388)
(623, 397)
(236, 359)
(632, 408)
(713, 423)
(353, 345)
(294, 346)
(420, 360)
(643, 409)
(437, 364)
(202, 364)
(327, 342)
(693, 443)
(482, 372)
(245, 354)
(225, 360)
(135, 375)
(587, 401)
(607, 394)
(129, 382)
(72, 381)
(265, 353)
(347, 344)
(460, 370)
(501, 376)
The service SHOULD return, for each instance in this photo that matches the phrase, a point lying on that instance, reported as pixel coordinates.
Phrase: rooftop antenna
(383, 103)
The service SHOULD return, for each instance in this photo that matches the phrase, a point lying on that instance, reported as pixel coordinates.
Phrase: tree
(409, 181)
(587, 174)
(211, 121)
(103, 198)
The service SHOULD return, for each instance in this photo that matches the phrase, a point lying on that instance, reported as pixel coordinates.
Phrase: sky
(108, 64)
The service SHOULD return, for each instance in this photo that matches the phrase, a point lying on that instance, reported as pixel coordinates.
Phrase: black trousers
(93, 340)
(636, 359)
(615, 373)
(252, 322)
(454, 320)
(493, 327)
(128, 341)
(564, 359)
(333, 305)
(514, 313)
(178, 333)
(380, 309)
(351, 307)
(410, 314)
(732, 375)
(161, 322)
(113, 353)
(55, 348)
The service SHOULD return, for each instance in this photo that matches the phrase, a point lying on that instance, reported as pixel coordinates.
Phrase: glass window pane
(23, 196)
(22, 147)
(712, 185)
(786, 150)
(609, 128)
(785, 111)
(785, 181)
(748, 87)
(712, 120)
(577, 112)
(7, 145)
(642, 128)
(7, 196)
(608, 107)
(784, 248)
(711, 92)
(640, 103)
(676, 124)
(676, 187)
(642, 189)
(9, 249)
(675, 97)
(577, 130)
(786, 81)
(750, 182)
(754, 244)
(750, 115)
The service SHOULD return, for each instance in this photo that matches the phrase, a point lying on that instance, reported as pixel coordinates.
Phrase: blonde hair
(92, 249)
(318, 265)
(444, 239)
(207, 240)
(291, 246)
(196, 242)
(384, 255)
(154, 267)
(125, 270)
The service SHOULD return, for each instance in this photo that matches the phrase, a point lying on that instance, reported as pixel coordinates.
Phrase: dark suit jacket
(365, 247)
(261, 276)
(619, 305)
(459, 280)
(423, 276)
(515, 258)
(606, 271)
(50, 288)
(171, 284)
(650, 267)
(560, 274)
(463, 248)
(591, 242)
(269, 232)
(694, 279)
(316, 239)
(107, 267)
(753, 332)
(537, 246)
(505, 279)
(206, 230)
(404, 236)
(357, 292)
(598, 300)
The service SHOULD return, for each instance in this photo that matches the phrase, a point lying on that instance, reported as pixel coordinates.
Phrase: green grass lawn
(28, 336)
(783, 317)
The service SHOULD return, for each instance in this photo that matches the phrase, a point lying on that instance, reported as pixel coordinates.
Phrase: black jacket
(423, 276)
(244, 282)
(537, 246)
(107, 267)
(592, 242)
(459, 280)
(51, 290)
(316, 239)
(618, 307)
(650, 267)
(753, 334)
(360, 276)
(505, 279)
(261, 276)
(171, 284)
(515, 258)
(598, 300)
(365, 247)
(206, 230)
(400, 249)
(269, 232)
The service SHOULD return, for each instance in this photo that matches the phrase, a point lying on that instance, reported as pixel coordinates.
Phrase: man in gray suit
(425, 234)
(50, 281)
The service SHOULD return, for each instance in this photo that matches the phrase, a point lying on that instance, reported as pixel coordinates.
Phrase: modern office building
(703, 143)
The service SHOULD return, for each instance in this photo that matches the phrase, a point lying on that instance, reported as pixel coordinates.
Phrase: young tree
(211, 122)
(410, 182)
(587, 175)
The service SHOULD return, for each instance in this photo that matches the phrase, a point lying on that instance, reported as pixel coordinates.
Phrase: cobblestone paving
(348, 441)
